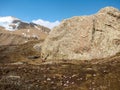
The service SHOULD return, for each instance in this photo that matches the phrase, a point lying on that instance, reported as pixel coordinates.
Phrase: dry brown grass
(61, 76)
(13, 53)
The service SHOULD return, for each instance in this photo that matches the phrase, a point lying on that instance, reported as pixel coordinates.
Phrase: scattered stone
(33, 57)
(48, 79)
(17, 63)
(12, 76)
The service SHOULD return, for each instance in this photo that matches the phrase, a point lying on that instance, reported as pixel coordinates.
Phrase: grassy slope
(15, 53)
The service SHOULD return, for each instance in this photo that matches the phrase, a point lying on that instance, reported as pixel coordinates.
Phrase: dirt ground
(60, 76)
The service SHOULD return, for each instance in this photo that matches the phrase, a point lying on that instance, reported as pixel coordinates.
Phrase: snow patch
(17, 24)
(36, 27)
(46, 23)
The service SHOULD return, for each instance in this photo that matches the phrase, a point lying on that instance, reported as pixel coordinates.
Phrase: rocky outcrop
(85, 37)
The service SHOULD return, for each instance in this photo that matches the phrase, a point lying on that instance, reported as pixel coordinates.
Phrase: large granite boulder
(85, 37)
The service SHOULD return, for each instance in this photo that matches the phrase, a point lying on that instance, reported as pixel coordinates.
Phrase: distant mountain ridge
(11, 23)
(27, 31)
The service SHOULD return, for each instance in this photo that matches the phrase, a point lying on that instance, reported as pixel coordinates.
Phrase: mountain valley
(82, 53)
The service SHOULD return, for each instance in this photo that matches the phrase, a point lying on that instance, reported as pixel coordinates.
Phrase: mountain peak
(108, 10)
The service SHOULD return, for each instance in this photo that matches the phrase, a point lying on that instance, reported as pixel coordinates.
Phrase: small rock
(33, 57)
(48, 79)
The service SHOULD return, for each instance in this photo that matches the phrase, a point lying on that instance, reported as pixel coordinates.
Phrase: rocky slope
(85, 37)
(15, 31)
(13, 39)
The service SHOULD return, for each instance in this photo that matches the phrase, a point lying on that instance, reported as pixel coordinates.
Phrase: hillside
(19, 52)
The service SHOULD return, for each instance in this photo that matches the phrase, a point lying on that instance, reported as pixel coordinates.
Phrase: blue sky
(52, 10)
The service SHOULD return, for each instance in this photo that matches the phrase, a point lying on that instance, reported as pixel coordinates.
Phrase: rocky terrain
(67, 75)
(82, 53)
(85, 37)
(13, 39)
(23, 68)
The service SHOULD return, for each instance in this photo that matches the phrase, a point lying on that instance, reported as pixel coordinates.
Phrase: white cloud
(46, 23)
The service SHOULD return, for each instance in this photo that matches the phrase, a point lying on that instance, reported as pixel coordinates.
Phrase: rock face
(85, 37)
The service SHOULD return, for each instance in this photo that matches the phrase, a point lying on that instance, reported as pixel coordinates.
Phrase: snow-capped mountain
(13, 28)
(11, 23)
